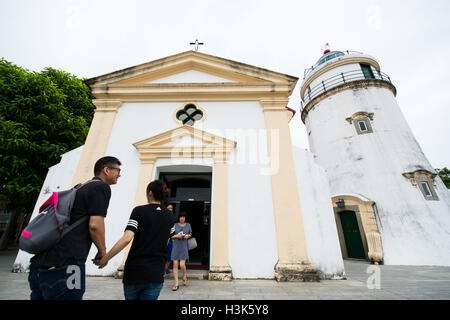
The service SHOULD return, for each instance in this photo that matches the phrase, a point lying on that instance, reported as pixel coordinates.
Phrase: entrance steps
(191, 274)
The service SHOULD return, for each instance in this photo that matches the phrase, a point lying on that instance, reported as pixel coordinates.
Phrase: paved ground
(395, 283)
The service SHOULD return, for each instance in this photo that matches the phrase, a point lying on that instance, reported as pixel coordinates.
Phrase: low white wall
(59, 178)
(252, 237)
(318, 217)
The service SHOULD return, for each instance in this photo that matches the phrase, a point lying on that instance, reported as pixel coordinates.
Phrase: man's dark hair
(158, 189)
(105, 162)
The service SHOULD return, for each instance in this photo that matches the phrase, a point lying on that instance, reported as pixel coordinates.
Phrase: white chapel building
(217, 133)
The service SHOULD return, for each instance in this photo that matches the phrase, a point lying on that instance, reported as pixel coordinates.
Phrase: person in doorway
(52, 270)
(180, 253)
(169, 244)
(149, 227)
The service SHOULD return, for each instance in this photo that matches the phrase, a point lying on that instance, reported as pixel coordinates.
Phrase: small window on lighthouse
(424, 181)
(426, 189)
(362, 126)
(362, 122)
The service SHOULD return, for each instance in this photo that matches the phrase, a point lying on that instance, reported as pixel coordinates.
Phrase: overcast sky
(410, 39)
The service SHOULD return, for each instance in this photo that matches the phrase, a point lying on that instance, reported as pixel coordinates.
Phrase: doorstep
(191, 274)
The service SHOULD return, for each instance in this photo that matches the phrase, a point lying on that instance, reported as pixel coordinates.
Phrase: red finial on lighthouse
(326, 48)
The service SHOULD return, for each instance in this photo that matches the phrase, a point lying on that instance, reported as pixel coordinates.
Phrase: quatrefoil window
(189, 114)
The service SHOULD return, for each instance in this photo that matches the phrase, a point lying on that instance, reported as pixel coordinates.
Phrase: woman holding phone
(180, 252)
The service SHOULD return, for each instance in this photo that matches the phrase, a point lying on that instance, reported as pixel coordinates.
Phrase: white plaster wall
(250, 201)
(252, 236)
(318, 217)
(414, 231)
(59, 177)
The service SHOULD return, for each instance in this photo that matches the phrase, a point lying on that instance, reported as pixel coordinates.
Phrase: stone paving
(364, 282)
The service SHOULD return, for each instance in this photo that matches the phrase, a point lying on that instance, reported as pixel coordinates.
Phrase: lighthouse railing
(340, 79)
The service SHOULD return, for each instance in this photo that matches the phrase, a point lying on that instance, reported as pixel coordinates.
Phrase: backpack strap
(74, 225)
(83, 219)
(79, 186)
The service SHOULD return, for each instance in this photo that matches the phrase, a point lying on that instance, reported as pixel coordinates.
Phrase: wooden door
(352, 235)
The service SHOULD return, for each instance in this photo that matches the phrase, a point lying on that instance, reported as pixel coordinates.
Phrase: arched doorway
(365, 212)
(352, 235)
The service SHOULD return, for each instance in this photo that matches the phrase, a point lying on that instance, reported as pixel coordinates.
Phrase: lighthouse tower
(390, 206)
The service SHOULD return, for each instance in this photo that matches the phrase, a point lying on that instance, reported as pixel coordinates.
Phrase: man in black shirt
(149, 228)
(59, 272)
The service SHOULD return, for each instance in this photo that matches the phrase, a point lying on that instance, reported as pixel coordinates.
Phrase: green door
(352, 235)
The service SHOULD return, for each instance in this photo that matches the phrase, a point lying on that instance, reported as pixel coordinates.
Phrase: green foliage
(42, 116)
(445, 176)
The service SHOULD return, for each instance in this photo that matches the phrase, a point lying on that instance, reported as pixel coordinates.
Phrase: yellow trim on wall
(97, 139)
(228, 91)
(293, 262)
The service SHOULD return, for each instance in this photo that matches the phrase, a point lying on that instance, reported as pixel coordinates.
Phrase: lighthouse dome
(328, 56)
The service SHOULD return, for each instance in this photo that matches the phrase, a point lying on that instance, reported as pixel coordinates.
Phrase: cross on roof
(196, 44)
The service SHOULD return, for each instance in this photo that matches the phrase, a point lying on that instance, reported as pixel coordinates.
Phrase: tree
(42, 116)
(445, 176)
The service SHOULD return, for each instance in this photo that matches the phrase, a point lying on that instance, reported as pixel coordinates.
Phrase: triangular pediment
(208, 65)
(191, 76)
(194, 143)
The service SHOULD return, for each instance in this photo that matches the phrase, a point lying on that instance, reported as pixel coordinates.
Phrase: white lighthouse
(390, 206)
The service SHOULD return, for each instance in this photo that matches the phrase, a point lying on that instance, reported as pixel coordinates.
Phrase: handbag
(192, 243)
